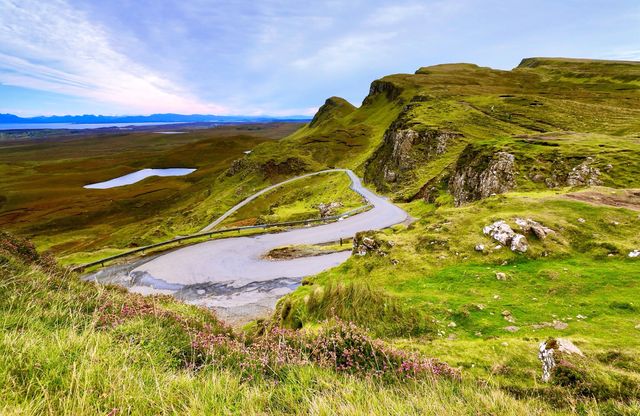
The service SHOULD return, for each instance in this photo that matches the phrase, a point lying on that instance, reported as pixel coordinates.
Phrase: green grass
(68, 348)
(299, 200)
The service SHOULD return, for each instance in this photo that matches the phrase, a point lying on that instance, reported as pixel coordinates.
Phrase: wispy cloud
(51, 46)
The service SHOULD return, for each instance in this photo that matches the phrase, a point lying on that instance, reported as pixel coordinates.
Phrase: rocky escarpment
(405, 147)
(478, 175)
(379, 87)
(269, 169)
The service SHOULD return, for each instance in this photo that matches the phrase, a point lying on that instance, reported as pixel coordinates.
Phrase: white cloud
(52, 47)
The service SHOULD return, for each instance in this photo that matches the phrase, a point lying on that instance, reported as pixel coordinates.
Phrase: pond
(134, 177)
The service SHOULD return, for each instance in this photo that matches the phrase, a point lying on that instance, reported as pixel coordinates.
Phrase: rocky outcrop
(552, 350)
(530, 226)
(566, 173)
(329, 209)
(378, 87)
(584, 174)
(407, 145)
(504, 234)
(479, 175)
(367, 242)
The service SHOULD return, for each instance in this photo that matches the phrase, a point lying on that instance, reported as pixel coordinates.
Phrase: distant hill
(153, 118)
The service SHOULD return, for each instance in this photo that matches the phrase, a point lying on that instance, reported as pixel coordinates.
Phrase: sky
(274, 57)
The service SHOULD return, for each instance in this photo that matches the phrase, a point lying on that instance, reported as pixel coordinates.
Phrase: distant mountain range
(153, 118)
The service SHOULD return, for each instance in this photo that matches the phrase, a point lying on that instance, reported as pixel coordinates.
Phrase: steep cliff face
(479, 175)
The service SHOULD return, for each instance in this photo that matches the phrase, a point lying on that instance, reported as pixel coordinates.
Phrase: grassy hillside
(86, 349)
(460, 147)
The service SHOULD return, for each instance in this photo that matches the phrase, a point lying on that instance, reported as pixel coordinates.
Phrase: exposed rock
(479, 247)
(560, 325)
(502, 233)
(512, 328)
(452, 324)
(584, 174)
(366, 242)
(528, 225)
(378, 87)
(507, 316)
(499, 231)
(634, 254)
(501, 276)
(327, 210)
(581, 220)
(478, 175)
(239, 165)
(406, 146)
(519, 243)
(554, 348)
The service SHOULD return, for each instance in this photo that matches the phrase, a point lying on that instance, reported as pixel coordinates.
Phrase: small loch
(134, 177)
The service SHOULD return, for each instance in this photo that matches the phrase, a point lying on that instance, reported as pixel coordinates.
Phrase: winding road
(231, 275)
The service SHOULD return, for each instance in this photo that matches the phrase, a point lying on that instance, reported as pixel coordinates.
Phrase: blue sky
(277, 57)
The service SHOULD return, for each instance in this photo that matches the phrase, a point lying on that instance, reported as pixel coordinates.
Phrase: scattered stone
(201, 291)
(327, 210)
(498, 247)
(512, 329)
(634, 254)
(505, 344)
(479, 247)
(496, 296)
(502, 233)
(395, 262)
(480, 306)
(479, 334)
(560, 325)
(581, 220)
(581, 316)
(508, 317)
(529, 225)
(501, 276)
(452, 324)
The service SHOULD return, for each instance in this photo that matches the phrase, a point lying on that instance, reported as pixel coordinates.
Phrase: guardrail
(179, 240)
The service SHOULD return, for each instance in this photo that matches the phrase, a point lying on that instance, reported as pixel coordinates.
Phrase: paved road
(230, 274)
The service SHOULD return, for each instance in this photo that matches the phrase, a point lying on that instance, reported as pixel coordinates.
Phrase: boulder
(554, 348)
(326, 210)
(502, 233)
(530, 226)
(519, 243)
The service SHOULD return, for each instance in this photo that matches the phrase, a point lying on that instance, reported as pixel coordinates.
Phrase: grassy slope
(548, 113)
(299, 200)
(41, 194)
(86, 349)
(541, 111)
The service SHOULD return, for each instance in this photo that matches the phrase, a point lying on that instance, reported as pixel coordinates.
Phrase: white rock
(581, 220)
(634, 254)
(479, 247)
(501, 276)
(519, 243)
(452, 324)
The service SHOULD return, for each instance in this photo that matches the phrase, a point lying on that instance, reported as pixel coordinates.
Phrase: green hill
(524, 189)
